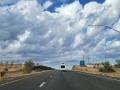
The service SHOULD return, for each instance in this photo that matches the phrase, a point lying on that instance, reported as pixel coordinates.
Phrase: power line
(106, 26)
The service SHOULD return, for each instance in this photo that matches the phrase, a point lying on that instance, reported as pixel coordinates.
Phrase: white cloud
(69, 10)
(24, 36)
(115, 44)
(47, 4)
(114, 4)
(116, 27)
(61, 41)
(78, 40)
(61, 35)
(21, 38)
(6, 2)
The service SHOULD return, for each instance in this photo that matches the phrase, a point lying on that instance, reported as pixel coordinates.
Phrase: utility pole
(1, 60)
(83, 57)
(105, 53)
(93, 60)
(88, 59)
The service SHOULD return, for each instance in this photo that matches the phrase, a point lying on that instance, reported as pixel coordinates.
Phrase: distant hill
(41, 67)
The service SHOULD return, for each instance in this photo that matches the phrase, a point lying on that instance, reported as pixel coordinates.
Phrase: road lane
(88, 82)
(79, 81)
(28, 83)
(57, 80)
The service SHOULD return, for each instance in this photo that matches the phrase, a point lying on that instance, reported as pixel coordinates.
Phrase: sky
(51, 32)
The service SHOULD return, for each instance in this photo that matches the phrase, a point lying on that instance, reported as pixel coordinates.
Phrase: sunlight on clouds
(61, 41)
(115, 44)
(78, 40)
(61, 35)
(69, 10)
(21, 38)
(24, 36)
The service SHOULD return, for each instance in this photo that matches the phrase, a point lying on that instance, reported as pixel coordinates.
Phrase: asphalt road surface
(57, 80)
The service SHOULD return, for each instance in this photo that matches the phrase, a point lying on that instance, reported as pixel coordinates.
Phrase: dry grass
(15, 70)
(14, 67)
(96, 71)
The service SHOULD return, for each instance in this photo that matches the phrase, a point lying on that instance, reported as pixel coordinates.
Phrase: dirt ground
(14, 70)
(14, 67)
(96, 71)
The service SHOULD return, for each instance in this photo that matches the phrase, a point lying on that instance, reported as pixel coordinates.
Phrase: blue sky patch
(111, 38)
(58, 3)
(83, 2)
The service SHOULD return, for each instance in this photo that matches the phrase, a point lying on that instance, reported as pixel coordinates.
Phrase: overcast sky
(54, 31)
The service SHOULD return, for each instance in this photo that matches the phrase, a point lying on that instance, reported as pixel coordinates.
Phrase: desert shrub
(1, 63)
(6, 63)
(2, 74)
(107, 68)
(28, 66)
(11, 63)
(94, 66)
(6, 69)
(118, 64)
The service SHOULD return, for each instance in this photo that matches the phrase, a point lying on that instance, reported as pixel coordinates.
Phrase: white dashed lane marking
(42, 84)
(50, 76)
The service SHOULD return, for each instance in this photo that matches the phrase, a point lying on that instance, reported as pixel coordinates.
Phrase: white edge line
(42, 84)
(100, 76)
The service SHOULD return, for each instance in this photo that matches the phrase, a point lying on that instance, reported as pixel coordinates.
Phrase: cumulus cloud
(32, 32)
(47, 4)
(69, 10)
(8, 2)
(21, 38)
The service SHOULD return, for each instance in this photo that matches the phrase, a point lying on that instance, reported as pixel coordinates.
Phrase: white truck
(62, 67)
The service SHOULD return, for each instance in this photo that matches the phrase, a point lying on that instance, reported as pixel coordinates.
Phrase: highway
(57, 80)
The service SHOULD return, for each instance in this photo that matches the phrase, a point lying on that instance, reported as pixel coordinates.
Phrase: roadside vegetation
(118, 64)
(12, 69)
(28, 66)
(103, 68)
(107, 68)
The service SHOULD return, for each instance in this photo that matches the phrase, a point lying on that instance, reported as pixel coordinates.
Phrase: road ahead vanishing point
(61, 80)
